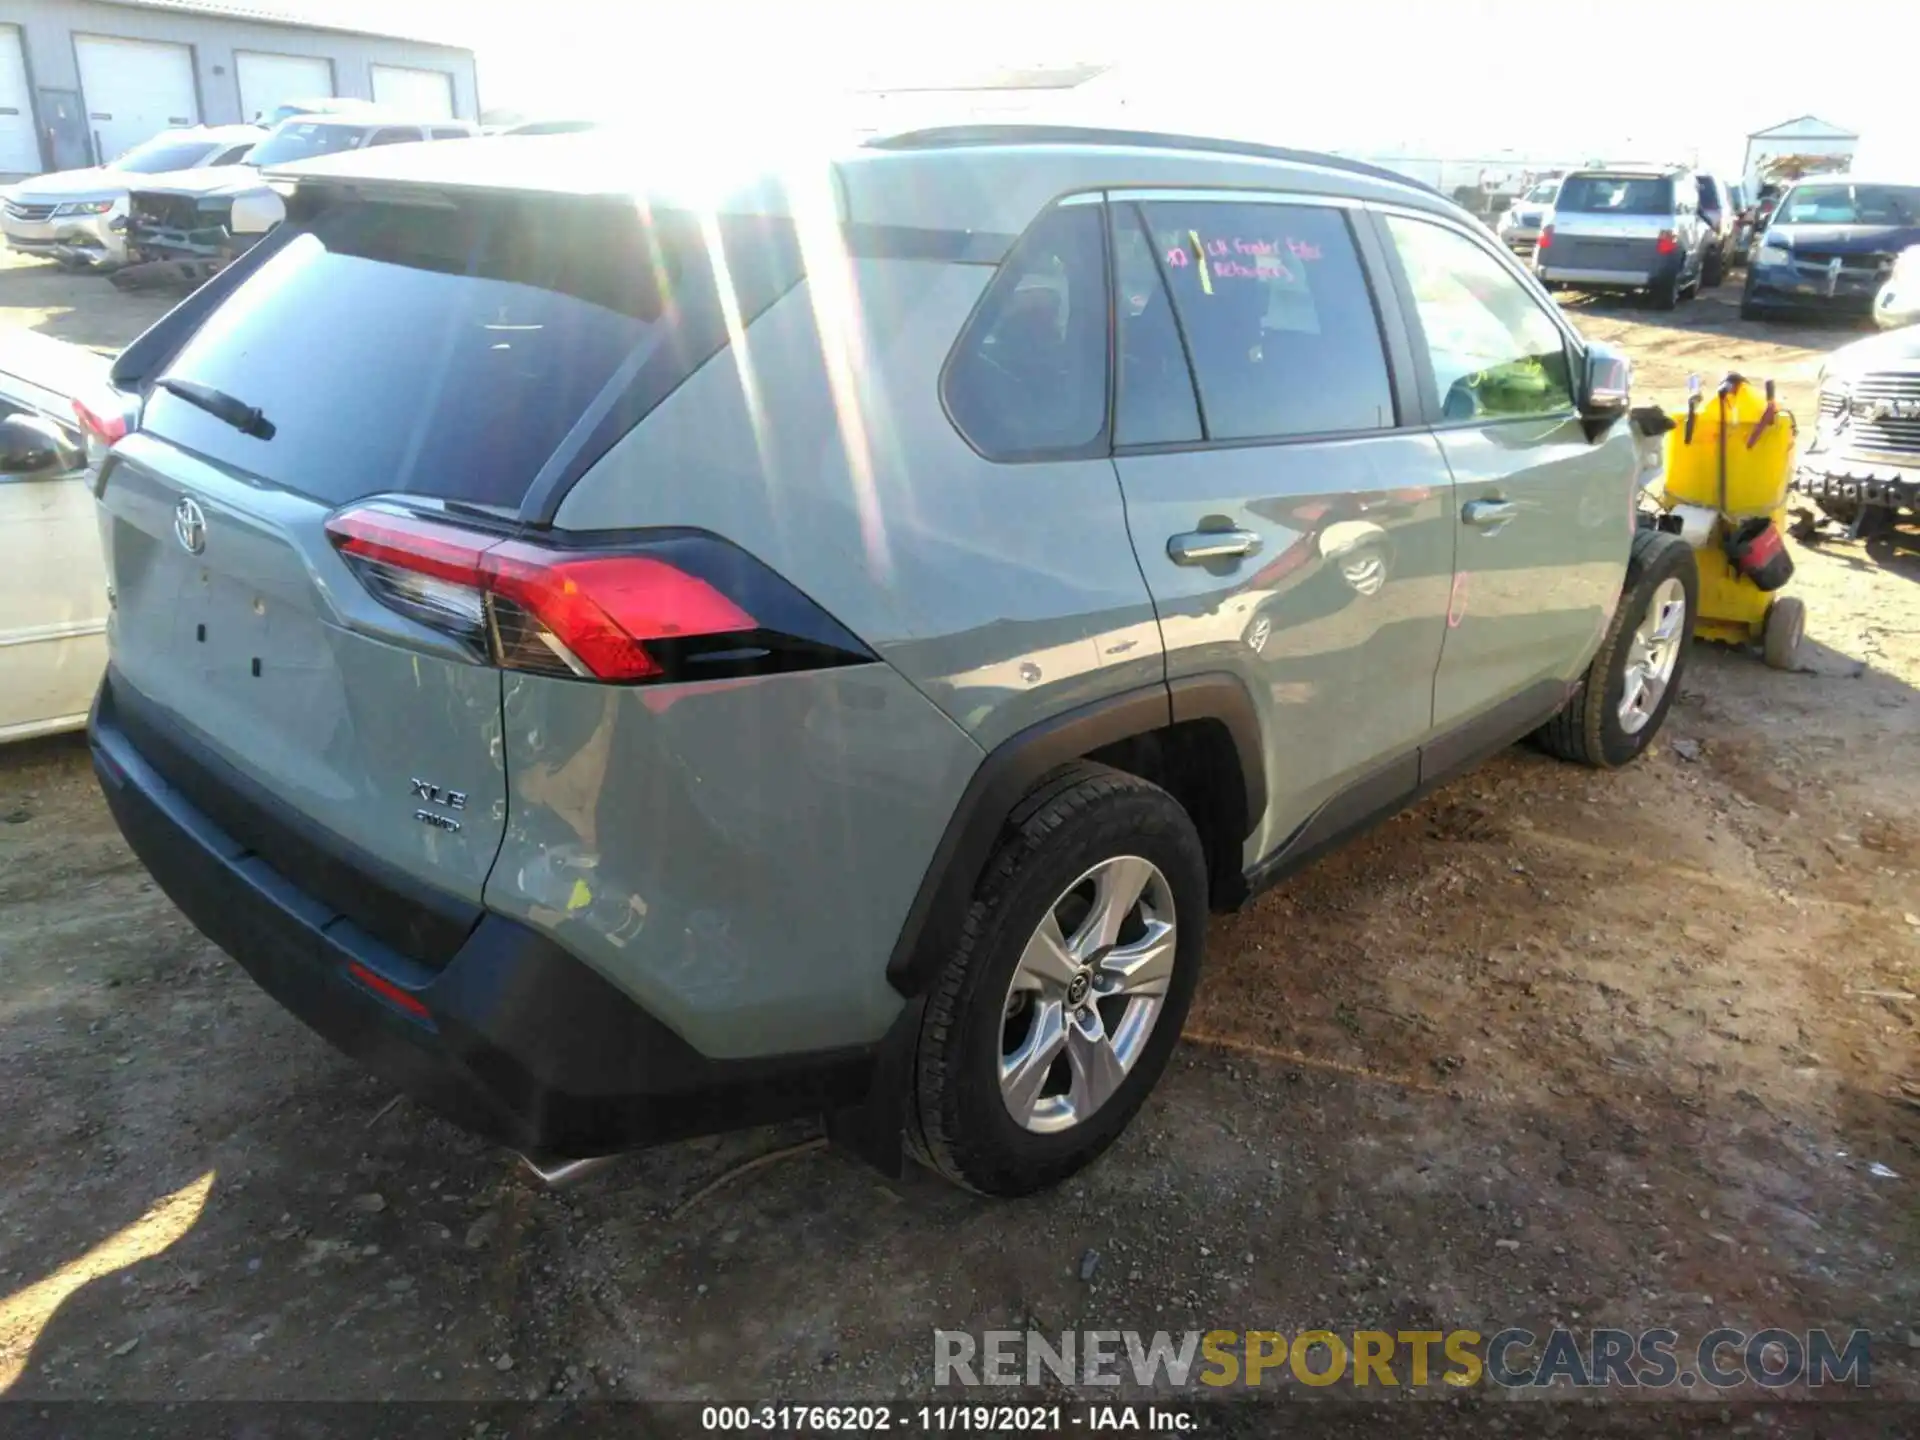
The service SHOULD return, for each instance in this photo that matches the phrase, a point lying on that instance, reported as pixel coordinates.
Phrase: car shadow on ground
(1894, 550)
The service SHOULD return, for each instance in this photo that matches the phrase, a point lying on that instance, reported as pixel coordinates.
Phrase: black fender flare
(1015, 765)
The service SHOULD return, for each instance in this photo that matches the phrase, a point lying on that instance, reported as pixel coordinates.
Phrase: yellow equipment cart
(1729, 461)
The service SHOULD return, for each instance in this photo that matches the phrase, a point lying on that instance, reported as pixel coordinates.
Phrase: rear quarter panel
(737, 855)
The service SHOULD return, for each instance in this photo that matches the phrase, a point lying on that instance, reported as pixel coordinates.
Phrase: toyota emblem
(190, 525)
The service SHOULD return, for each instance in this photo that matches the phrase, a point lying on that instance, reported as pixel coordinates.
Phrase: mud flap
(875, 1130)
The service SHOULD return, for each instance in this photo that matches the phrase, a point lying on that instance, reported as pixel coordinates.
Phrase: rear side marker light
(670, 606)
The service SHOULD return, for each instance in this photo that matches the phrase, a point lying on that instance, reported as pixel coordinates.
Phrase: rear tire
(1593, 730)
(1786, 624)
(1713, 269)
(990, 1004)
(1666, 294)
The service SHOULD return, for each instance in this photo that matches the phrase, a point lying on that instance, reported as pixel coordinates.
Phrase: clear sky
(1649, 78)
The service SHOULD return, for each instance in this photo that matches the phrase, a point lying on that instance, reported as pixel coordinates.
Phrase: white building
(1808, 135)
(82, 81)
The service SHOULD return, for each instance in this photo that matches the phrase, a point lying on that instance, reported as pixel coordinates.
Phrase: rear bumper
(1597, 279)
(513, 1037)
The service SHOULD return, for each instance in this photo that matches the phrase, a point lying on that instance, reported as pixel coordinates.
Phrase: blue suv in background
(1831, 245)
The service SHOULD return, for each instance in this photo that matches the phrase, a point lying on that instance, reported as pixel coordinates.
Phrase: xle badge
(435, 795)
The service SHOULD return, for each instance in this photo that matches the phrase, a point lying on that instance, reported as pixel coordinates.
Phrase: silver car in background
(1519, 227)
(1629, 228)
(79, 217)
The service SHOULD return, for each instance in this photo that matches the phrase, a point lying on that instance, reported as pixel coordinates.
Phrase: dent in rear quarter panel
(1005, 592)
(736, 855)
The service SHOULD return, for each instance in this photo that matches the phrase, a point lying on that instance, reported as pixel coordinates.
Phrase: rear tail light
(1546, 238)
(106, 420)
(1665, 245)
(672, 606)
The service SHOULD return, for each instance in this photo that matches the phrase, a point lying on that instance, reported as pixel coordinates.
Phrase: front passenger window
(1496, 353)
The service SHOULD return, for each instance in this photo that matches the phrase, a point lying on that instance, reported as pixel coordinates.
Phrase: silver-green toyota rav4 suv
(629, 660)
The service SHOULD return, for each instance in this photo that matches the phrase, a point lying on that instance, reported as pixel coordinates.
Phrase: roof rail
(953, 137)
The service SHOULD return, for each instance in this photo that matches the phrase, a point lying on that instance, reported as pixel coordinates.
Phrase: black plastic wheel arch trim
(1013, 767)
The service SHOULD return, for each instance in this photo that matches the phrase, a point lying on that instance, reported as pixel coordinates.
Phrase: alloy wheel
(1652, 653)
(1085, 994)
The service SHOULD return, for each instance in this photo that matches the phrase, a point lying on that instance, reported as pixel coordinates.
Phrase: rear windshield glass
(1616, 195)
(156, 157)
(1543, 193)
(448, 351)
(1851, 205)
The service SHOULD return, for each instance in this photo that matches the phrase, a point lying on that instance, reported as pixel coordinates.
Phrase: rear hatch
(1610, 222)
(437, 351)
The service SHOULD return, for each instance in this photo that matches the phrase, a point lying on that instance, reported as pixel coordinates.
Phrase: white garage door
(422, 94)
(19, 150)
(133, 90)
(270, 80)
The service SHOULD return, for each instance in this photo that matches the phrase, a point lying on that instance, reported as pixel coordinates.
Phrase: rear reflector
(394, 995)
(672, 606)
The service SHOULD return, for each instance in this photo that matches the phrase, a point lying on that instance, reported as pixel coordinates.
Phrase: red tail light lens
(1665, 245)
(1546, 238)
(107, 423)
(672, 609)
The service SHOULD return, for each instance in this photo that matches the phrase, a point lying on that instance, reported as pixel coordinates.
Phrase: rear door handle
(1196, 547)
(1488, 515)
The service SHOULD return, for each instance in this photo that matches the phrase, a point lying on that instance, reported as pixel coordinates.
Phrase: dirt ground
(1626, 1050)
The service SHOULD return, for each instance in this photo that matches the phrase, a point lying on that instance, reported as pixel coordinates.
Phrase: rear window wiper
(243, 417)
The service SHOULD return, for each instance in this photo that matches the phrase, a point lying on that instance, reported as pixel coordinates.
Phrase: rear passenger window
(1276, 314)
(1496, 352)
(1156, 403)
(1028, 376)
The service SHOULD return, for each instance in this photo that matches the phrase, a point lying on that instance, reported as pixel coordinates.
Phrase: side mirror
(34, 448)
(1606, 388)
